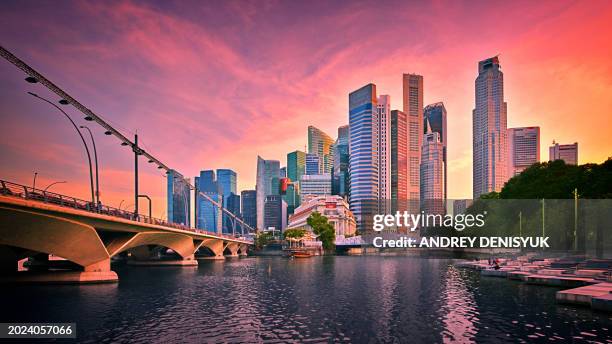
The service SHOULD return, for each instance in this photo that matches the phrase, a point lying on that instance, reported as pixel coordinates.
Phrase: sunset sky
(213, 84)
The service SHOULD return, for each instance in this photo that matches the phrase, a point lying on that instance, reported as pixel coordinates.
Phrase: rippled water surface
(325, 299)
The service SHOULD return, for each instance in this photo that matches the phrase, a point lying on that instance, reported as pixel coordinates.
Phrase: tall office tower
(363, 157)
(296, 168)
(340, 174)
(435, 114)
(384, 143)
(523, 149)
(399, 161)
(320, 143)
(316, 184)
(413, 108)
(267, 184)
(248, 200)
(283, 172)
(314, 164)
(273, 212)
(178, 198)
(567, 153)
(227, 180)
(432, 173)
(489, 121)
(208, 216)
(230, 224)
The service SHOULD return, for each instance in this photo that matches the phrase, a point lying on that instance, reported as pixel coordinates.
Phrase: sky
(214, 84)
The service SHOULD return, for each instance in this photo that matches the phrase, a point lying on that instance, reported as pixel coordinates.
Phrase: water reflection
(322, 299)
(459, 310)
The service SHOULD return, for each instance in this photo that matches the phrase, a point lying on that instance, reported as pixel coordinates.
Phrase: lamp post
(34, 183)
(93, 143)
(50, 185)
(150, 204)
(93, 200)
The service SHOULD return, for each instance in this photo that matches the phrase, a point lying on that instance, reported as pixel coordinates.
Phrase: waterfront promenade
(584, 282)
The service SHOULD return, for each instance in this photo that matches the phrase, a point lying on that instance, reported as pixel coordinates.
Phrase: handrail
(26, 192)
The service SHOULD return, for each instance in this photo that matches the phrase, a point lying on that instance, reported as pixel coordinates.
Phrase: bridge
(36, 223)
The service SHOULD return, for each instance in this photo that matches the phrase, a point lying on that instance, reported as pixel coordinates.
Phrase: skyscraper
(268, 172)
(340, 174)
(248, 200)
(178, 198)
(227, 180)
(413, 108)
(523, 149)
(399, 161)
(283, 172)
(296, 168)
(273, 212)
(567, 153)
(320, 143)
(208, 216)
(384, 144)
(314, 164)
(432, 173)
(435, 115)
(489, 121)
(363, 160)
(316, 184)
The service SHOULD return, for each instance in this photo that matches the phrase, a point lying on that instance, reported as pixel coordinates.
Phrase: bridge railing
(26, 192)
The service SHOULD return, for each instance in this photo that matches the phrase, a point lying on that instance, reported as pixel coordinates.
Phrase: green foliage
(295, 233)
(323, 229)
(556, 180)
(540, 202)
(263, 239)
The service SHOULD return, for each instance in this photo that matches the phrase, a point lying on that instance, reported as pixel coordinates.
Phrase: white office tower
(489, 129)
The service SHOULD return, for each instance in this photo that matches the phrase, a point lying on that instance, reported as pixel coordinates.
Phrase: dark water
(326, 299)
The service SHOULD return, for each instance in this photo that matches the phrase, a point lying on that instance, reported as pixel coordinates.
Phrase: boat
(301, 254)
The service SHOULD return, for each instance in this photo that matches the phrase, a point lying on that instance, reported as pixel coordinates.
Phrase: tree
(262, 239)
(323, 229)
(294, 233)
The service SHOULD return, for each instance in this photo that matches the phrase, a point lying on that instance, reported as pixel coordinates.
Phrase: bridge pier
(216, 246)
(233, 248)
(243, 250)
(99, 272)
(145, 256)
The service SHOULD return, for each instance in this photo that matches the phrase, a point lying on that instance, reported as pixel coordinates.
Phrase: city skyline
(170, 118)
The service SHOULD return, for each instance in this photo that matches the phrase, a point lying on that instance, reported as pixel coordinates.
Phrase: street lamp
(50, 185)
(34, 183)
(93, 142)
(150, 205)
(93, 200)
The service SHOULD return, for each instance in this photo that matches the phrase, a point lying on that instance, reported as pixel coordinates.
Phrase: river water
(360, 299)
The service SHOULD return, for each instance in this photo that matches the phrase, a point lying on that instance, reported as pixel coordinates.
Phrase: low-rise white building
(334, 208)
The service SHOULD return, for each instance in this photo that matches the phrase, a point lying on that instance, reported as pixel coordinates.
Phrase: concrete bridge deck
(90, 238)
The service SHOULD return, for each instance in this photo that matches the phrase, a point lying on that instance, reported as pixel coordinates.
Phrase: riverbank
(585, 282)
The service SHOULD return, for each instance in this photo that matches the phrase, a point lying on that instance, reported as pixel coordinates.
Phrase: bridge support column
(216, 246)
(143, 256)
(243, 250)
(233, 248)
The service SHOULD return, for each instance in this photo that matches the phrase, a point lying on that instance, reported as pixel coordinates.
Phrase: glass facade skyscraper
(314, 164)
(227, 180)
(340, 172)
(432, 173)
(399, 161)
(296, 168)
(320, 143)
(384, 148)
(178, 198)
(363, 160)
(268, 172)
(435, 116)
(248, 200)
(489, 121)
(208, 216)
